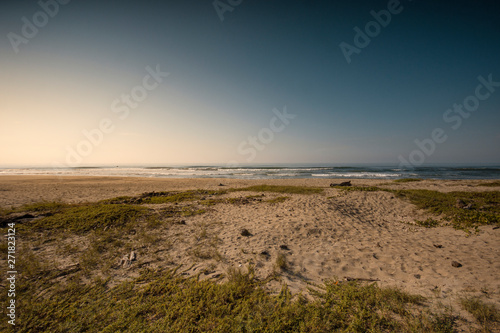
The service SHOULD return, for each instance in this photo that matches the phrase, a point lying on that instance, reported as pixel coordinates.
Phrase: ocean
(270, 172)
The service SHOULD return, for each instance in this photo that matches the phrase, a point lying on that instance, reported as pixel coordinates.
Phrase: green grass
(4, 211)
(171, 198)
(429, 223)
(277, 200)
(177, 211)
(162, 301)
(89, 217)
(407, 180)
(485, 206)
(98, 254)
(484, 210)
(281, 189)
(210, 192)
(164, 197)
(236, 201)
(485, 314)
(190, 211)
(281, 262)
(211, 202)
(117, 200)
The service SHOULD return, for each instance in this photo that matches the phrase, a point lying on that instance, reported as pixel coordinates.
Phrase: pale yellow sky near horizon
(48, 114)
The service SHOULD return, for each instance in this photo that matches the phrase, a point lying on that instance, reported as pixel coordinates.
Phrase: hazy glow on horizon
(227, 77)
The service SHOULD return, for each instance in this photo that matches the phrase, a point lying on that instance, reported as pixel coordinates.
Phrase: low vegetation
(165, 197)
(84, 218)
(281, 262)
(479, 208)
(164, 301)
(407, 180)
(170, 198)
(486, 314)
(464, 210)
(83, 294)
(429, 223)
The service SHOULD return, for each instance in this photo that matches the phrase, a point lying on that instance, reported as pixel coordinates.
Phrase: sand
(19, 190)
(334, 235)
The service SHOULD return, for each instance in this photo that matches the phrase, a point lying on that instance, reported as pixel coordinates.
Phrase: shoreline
(268, 172)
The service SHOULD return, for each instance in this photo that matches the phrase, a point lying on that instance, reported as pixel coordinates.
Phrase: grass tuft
(190, 211)
(89, 217)
(429, 223)
(484, 210)
(485, 314)
(178, 197)
(163, 197)
(281, 262)
(277, 200)
(483, 207)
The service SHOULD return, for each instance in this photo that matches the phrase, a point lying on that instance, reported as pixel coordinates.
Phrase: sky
(239, 82)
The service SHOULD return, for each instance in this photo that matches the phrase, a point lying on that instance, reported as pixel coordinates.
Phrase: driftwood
(347, 278)
(341, 184)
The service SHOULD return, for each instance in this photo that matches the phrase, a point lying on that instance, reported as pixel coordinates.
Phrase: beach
(329, 235)
(19, 190)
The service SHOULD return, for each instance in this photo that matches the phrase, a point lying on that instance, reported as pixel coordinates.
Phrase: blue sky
(225, 78)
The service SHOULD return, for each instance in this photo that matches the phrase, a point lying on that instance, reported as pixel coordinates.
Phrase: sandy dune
(361, 235)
